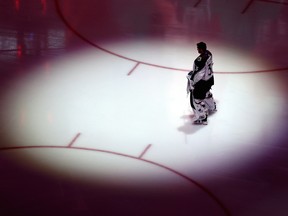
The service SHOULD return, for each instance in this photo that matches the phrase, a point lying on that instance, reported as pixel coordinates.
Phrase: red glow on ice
(44, 6)
(19, 51)
(17, 5)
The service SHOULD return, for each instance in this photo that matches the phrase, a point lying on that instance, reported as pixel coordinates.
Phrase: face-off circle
(117, 177)
(151, 33)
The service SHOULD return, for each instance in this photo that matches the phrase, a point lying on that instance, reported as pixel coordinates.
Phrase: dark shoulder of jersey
(201, 59)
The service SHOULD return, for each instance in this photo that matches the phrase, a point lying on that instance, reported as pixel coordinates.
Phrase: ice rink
(95, 119)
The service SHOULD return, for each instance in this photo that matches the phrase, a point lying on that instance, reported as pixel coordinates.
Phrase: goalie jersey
(202, 73)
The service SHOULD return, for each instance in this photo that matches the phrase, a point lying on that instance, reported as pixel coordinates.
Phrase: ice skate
(201, 121)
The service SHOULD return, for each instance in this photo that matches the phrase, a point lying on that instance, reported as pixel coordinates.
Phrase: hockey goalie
(200, 81)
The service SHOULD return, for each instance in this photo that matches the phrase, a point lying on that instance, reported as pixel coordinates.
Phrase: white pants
(201, 108)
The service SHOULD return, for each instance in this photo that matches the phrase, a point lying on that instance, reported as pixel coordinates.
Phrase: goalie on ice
(200, 81)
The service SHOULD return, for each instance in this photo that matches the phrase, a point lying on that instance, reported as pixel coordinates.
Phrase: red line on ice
(247, 6)
(74, 140)
(197, 3)
(145, 150)
(132, 70)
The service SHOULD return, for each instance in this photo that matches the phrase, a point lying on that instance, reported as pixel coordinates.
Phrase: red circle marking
(201, 187)
(58, 9)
